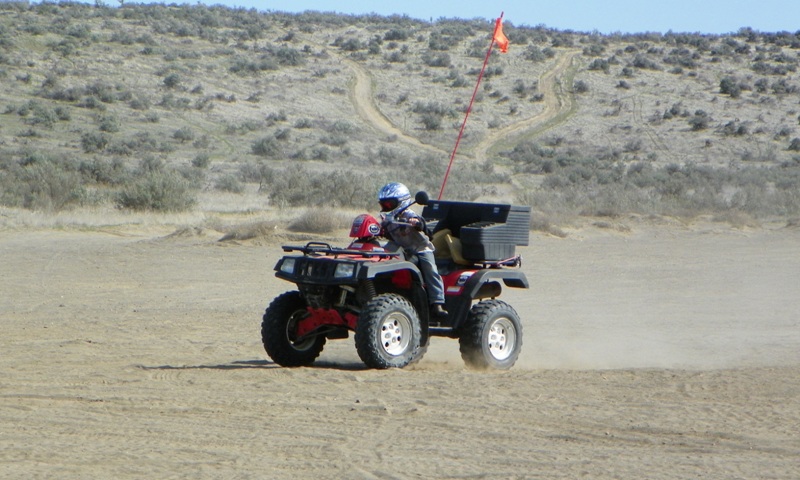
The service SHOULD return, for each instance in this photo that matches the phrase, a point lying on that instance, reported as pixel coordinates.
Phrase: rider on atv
(407, 229)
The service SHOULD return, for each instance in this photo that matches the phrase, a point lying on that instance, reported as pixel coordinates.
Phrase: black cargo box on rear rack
(488, 231)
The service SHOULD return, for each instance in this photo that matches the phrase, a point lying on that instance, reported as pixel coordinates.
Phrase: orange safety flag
(500, 38)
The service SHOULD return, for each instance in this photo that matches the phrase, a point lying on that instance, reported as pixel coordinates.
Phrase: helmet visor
(388, 204)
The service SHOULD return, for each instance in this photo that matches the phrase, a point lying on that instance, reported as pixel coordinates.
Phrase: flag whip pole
(497, 24)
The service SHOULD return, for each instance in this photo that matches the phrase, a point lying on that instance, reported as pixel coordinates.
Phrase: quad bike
(374, 291)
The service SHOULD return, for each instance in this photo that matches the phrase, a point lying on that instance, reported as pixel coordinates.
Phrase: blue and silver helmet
(394, 195)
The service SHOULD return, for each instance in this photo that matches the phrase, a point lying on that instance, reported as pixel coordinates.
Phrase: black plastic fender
(459, 305)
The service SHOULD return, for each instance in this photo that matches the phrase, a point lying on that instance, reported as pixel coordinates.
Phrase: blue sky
(607, 16)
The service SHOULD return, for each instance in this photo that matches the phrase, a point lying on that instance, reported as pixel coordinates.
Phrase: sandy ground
(665, 351)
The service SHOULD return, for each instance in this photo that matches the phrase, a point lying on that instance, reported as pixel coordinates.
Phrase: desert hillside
(145, 106)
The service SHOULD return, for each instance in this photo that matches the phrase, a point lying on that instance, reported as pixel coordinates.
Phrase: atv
(372, 290)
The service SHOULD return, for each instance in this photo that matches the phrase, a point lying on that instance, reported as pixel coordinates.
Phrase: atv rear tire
(491, 336)
(278, 332)
(388, 332)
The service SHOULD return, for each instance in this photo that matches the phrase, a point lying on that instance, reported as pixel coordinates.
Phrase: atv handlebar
(416, 226)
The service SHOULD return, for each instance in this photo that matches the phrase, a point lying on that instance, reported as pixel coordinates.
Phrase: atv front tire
(388, 332)
(491, 336)
(278, 332)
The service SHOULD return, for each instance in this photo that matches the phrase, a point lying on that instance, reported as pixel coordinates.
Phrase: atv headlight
(344, 270)
(287, 266)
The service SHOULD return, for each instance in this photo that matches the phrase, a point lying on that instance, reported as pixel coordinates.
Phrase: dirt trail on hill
(557, 101)
(363, 100)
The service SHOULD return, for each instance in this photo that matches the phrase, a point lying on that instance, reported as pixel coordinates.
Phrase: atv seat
(448, 247)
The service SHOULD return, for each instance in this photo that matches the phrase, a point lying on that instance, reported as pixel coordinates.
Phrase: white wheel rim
(395, 333)
(502, 338)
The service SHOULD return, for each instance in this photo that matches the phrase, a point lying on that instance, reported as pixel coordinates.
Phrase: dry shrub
(250, 231)
(324, 220)
(41, 185)
(158, 192)
(541, 223)
(618, 227)
(737, 219)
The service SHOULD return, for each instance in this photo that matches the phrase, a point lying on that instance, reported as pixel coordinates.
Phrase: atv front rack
(322, 248)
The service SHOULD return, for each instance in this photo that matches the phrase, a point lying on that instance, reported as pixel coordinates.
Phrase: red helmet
(365, 225)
